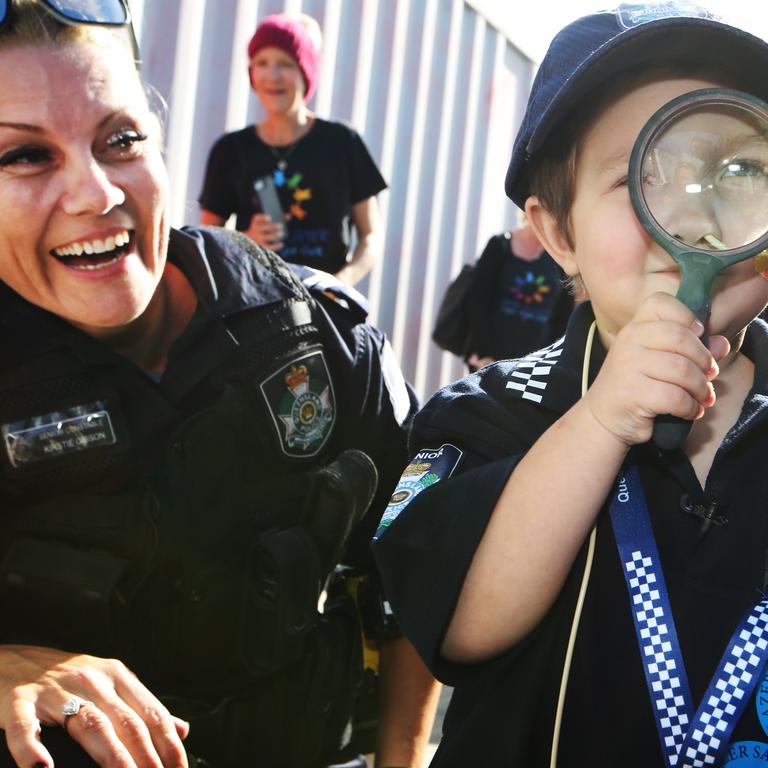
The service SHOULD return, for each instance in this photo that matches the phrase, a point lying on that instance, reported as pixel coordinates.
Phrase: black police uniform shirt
(81, 427)
(327, 171)
(515, 306)
(467, 440)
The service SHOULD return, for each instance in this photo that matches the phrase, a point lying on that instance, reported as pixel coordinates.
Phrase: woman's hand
(120, 725)
(266, 232)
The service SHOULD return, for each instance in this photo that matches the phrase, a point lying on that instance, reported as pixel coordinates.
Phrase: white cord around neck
(584, 581)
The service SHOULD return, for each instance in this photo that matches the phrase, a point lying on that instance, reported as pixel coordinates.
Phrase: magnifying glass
(698, 180)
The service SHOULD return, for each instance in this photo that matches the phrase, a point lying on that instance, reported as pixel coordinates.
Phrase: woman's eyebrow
(21, 126)
(41, 129)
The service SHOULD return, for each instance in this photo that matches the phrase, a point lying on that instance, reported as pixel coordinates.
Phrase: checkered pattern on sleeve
(729, 690)
(661, 667)
(531, 374)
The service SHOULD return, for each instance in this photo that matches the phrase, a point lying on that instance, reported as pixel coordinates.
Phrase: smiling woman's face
(83, 186)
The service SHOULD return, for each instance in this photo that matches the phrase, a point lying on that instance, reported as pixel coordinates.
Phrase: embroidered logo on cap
(428, 466)
(634, 14)
(52, 435)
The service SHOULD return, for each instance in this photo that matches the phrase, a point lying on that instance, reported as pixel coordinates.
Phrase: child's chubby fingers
(719, 346)
(677, 370)
(638, 340)
(663, 306)
(626, 398)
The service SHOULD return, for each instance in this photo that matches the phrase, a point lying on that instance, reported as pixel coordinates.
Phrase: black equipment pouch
(68, 572)
(68, 587)
(280, 599)
(290, 565)
(340, 496)
(297, 718)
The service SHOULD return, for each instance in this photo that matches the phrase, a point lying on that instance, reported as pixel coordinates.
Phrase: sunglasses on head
(106, 13)
(110, 13)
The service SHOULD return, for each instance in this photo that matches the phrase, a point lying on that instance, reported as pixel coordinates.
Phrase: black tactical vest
(192, 539)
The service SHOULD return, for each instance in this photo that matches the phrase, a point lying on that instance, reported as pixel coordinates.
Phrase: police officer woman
(176, 414)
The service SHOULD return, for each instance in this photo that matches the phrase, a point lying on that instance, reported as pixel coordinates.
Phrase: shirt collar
(552, 377)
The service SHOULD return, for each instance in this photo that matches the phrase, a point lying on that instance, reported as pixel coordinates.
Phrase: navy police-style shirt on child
(597, 600)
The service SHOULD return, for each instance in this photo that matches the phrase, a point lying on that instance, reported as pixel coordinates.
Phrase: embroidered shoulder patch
(428, 466)
(302, 404)
(56, 434)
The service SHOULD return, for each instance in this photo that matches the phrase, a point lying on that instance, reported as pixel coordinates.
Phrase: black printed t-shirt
(503, 710)
(515, 306)
(328, 170)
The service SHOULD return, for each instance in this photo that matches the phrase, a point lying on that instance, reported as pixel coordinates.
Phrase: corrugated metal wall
(436, 91)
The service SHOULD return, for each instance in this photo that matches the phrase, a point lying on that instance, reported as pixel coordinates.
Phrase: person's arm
(211, 219)
(119, 723)
(370, 241)
(408, 696)
(656, 365)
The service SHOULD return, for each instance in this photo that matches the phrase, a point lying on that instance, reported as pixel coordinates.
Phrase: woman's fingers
(22, 734)
(133, 732)
(96, 734)
(181, 726)
(165, 731)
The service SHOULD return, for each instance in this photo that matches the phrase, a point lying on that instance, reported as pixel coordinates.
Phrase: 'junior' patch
(428, 466)
(302, 404)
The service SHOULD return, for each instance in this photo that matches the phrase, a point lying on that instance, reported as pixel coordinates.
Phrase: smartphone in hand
(266, 192)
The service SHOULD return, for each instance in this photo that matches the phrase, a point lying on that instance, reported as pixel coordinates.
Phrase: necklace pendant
(282, 165)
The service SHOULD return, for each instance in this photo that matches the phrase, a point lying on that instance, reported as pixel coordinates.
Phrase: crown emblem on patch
(297, 379)
(302, 404)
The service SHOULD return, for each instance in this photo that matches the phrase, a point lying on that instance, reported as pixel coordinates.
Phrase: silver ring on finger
(71, 707)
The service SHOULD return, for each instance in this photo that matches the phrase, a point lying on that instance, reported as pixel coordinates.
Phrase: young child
(487, 547)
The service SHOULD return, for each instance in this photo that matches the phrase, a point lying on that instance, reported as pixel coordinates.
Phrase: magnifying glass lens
(705, 177)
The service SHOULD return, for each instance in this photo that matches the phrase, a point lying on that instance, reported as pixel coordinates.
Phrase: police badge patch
(427, 467)
(301, 402)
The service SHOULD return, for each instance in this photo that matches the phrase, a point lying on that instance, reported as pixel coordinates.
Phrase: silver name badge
(57, 434)
(634, 14)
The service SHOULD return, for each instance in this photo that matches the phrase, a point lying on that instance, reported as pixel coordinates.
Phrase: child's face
(617, 261)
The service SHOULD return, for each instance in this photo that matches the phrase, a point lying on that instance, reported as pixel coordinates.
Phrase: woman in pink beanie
(324, 177)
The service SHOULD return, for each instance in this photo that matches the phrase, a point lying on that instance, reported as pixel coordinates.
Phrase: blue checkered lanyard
(688, 739)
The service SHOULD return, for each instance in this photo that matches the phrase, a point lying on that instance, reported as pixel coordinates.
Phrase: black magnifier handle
(670, 432)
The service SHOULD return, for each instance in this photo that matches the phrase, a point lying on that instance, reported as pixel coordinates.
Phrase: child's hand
(657, 365)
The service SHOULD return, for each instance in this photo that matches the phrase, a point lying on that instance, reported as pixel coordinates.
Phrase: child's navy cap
(593, 48)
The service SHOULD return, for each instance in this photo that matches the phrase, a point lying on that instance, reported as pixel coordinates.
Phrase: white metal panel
(434, 88)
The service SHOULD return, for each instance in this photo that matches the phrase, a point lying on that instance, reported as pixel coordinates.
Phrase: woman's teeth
(99, 265)
(94, 254)
(91, 247)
